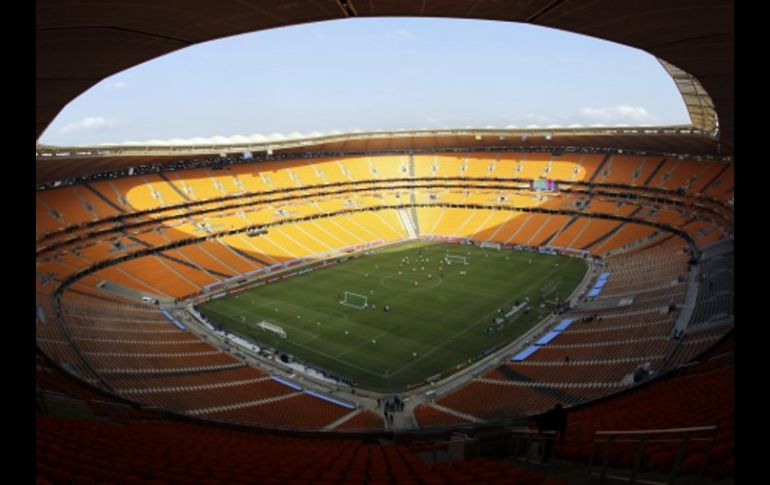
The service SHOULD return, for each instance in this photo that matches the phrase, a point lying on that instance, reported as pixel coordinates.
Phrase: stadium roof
(79, 43)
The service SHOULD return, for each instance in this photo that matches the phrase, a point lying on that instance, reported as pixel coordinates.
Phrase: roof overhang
(79, 43)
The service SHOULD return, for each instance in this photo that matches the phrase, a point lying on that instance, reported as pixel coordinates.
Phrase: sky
(374, 74)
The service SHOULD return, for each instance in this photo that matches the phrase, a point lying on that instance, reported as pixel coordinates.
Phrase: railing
(531, 446)
(683, 436)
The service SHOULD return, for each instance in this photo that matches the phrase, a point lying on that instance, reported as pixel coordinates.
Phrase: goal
(270, 327)
(452, 259)
(354, 300)
(490, 245)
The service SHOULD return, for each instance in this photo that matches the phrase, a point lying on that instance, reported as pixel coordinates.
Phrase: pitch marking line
(461, 332)
(359, 346)
(315, 351)
(388, 375)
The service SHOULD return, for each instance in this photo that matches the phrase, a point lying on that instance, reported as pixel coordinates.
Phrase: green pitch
(439, 318)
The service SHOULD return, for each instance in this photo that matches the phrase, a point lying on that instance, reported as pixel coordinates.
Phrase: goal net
(452, 259)
(270, 327)
(490, 245)
(354, 300)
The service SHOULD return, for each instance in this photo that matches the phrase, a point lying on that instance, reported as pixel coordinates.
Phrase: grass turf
(433, 326)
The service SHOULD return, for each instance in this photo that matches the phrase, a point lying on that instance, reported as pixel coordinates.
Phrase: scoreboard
(544, 185)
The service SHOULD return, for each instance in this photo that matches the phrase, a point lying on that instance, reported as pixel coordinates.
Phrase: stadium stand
(698, 395)
(601, 352)
(122, 238)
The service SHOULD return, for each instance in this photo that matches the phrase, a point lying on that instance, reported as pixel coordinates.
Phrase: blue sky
(369, 74)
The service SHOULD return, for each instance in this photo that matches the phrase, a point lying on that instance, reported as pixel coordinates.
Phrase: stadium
(387, 307)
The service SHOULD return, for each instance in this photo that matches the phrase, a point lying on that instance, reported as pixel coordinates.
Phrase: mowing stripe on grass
(430, 327)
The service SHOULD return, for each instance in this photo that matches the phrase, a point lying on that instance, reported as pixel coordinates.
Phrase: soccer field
(439, 318)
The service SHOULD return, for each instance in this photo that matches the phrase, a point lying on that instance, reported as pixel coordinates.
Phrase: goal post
(453, 259)
(270, 327)
(491, 245)
(354, 300)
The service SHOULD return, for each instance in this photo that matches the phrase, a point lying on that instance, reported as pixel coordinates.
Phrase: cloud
(618, 115)
(117, 85)
(92, 123)
(623, 112)
(401, 35)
